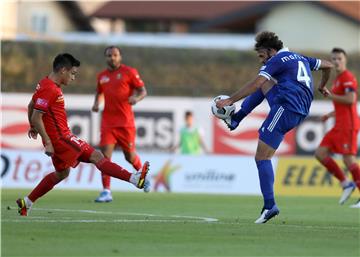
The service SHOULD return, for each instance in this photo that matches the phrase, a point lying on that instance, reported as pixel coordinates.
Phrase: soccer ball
(222, 113)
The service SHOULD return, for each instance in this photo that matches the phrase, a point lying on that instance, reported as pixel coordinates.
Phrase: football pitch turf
(69, 223)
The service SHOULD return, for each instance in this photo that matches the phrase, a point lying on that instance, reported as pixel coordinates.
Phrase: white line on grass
(103, 221)
(178, 218)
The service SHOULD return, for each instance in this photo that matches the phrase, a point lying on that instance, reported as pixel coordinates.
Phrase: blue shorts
(278, 122)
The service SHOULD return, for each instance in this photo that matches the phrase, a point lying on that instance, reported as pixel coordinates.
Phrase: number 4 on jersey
(302, 75)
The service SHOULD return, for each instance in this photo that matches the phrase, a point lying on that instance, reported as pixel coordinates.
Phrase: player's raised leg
(112, 169)
(267, 91)
(247, 106)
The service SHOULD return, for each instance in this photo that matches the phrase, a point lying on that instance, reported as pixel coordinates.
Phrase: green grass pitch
(69, 223)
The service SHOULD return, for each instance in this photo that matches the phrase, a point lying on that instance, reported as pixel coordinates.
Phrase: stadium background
(211, 54)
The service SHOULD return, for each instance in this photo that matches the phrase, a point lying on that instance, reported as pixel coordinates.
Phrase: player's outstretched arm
(37, 122)
(325, 68)
(243, 92)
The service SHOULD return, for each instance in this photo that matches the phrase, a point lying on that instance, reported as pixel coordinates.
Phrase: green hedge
(171, 72)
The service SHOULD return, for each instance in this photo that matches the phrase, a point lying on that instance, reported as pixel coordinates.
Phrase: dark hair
(267, 40)
(111, 47)
(65, 60)
(338, 50)
(188, 113)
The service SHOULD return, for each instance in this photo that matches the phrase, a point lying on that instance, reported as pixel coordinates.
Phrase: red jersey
(117, 86)
(346, 115)
(49, 99)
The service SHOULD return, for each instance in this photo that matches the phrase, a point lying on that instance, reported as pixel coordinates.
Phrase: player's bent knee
(96, 156)
(321, 153)
(349, 161)
(63, 174)
(129, 156)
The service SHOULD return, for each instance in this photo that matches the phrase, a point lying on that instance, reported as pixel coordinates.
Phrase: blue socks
(248, 105)
(266, 177)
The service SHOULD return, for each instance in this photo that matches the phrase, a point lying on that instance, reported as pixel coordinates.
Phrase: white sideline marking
(25, 220)
(178, 218)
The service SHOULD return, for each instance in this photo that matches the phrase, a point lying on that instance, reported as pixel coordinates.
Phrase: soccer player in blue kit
(286, 82)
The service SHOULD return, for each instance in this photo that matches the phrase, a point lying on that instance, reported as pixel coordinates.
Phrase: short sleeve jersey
(49, 99)
(190, 141)
(117, 86)
(346, 115)
(292, 72)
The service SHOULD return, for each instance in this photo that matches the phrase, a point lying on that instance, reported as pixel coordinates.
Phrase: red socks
(113, 170)
(45, 185)
(105, 180)
(355, 172)
(137, 163)
(333, 168)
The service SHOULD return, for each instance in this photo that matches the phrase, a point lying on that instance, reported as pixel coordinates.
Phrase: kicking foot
(23, 209)
(104, 197)
(266, 214)
(139, 178)
(231, 123)
(347, 191)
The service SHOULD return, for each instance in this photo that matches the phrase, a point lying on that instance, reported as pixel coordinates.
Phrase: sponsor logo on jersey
(118, 76)
(43, 103)
(348, 83)
(104, 79)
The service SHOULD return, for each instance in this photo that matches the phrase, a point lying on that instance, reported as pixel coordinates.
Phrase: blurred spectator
(191, 138)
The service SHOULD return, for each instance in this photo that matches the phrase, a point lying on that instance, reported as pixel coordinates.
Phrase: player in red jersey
(47, 117)
(121, 87)
(342, 138)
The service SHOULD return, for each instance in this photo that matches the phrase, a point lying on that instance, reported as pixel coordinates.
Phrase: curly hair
(267, 39)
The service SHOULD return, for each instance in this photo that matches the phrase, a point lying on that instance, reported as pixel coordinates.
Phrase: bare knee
(349, 160)
(321, 153)
(107, 150)
(129, 156)
(61, 175)
(264, 151)
(96, 156)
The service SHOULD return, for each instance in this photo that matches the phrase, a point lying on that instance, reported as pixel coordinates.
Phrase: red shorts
(121, 136)
(69, 151)
(341, 141)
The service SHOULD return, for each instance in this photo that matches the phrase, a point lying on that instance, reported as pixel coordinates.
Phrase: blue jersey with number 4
(292, 72)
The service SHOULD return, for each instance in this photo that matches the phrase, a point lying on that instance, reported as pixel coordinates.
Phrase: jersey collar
(285, 49)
